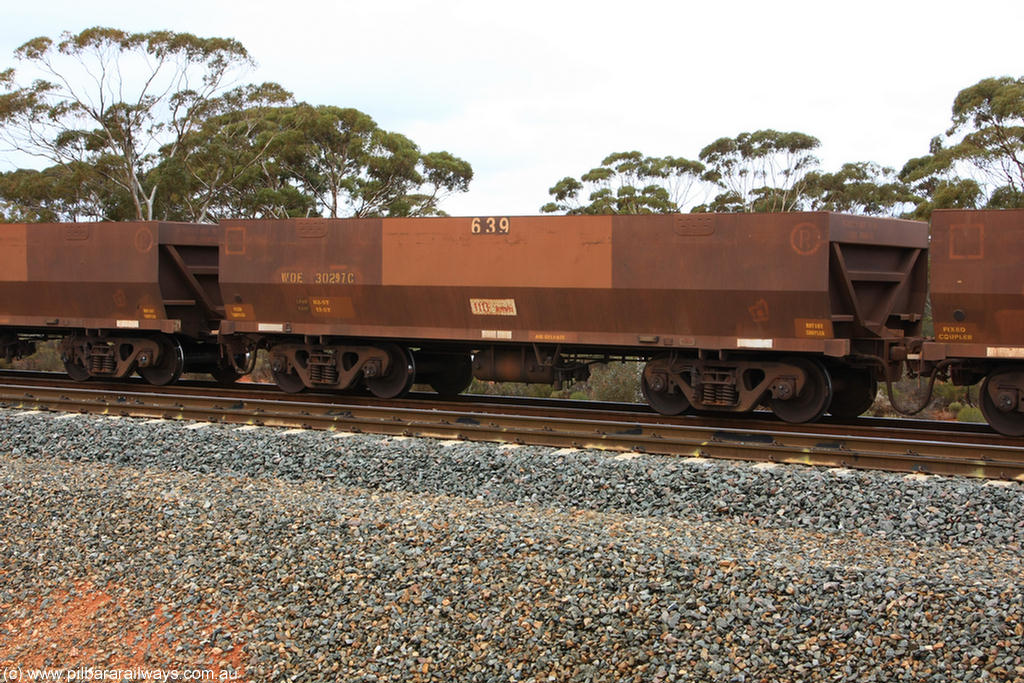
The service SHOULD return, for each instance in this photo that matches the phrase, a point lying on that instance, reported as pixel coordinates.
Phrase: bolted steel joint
(1006, 400)
(783, 389)
(658, 382)
(371, 368)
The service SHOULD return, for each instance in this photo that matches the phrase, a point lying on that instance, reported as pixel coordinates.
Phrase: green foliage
(761, 171)
(980, 163)
(947, 393)
(177, 143)
(766, 170)
(615, 382)
(1006, 197)
(85, 109)
(267, 160)
(227, 167)
(261, 371)
(970, 414)
(628, 183)
(75, 189)
(511, 389)
(350, 166)
(862, 188)
(990, 117)
(933, 181)
(955, 407)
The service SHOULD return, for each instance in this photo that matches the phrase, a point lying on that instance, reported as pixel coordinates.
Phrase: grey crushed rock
(369, 558)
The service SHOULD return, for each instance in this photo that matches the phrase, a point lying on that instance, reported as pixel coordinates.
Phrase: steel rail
(973, 455)
(936, 429)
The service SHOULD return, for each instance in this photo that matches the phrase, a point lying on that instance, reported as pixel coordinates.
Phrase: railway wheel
(659, 397)
(812, 402)
(168, 369)
(225, 375)
(455, 377)
(853, 392)
(76, 370)
(288, 381)
(399, 377)
(226, 371)
(1000, 401)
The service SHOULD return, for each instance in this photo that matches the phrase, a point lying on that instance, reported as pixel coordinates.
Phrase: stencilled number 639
(490, 225)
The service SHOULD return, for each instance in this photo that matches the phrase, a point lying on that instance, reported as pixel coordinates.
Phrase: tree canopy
(112, 99)
(152, 126)
(859, 187)
(629, 183)
(766, 170)
(979, 161)
(155, 125)
(350, 166)
(761, 171)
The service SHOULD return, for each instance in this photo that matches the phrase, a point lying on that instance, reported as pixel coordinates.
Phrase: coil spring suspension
(322, 369)
(719, 395)
(101, 360)
(718, 387)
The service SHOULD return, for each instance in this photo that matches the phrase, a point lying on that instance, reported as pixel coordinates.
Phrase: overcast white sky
(531, 91)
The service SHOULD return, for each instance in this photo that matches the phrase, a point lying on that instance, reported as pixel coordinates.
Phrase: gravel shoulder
(279, 554)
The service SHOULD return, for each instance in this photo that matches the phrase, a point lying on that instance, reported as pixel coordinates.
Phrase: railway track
(869, 443)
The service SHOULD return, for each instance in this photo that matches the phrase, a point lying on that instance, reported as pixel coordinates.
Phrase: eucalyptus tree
(979, 161)
(761, 171)
(859, 187)
(629, 183)
(68, 192)
(349, 166)
(988, 119)
(261, 155)
(116, 101)
(228, 167)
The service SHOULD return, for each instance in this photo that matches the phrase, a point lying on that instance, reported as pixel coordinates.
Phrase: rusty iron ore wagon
(977, 276)
(804, 312)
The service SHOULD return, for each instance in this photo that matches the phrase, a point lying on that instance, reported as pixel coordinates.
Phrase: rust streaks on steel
(549, 279)
(971, 455)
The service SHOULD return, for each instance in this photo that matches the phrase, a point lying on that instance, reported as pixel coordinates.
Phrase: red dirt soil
(88, 627)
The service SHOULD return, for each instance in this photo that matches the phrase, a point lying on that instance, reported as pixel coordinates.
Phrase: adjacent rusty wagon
(122, 297)
(978, 307)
